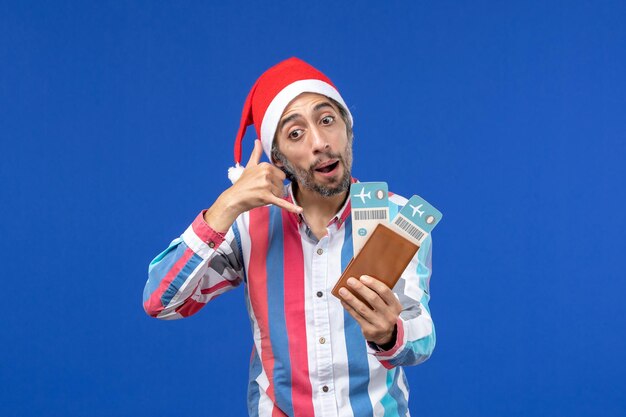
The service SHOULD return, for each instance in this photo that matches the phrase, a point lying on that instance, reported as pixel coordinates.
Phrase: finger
(356, 316)
(277, 179)
(381, 289)
(278, 173)
(367, 294)
(358, 306)
(276, 190)
(255, 157)
(286, 205)
(392, 308)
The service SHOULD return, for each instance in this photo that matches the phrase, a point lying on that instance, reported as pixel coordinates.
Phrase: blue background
(117, 120)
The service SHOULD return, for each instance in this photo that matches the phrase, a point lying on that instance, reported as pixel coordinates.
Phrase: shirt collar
(339, 218)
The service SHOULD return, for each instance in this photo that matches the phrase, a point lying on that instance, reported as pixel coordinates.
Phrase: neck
(318, 208)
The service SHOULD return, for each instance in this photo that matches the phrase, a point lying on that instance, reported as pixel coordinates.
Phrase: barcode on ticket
(409, 228)
(370, 214)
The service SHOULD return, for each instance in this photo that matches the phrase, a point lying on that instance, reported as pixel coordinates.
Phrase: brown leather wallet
(384, 256)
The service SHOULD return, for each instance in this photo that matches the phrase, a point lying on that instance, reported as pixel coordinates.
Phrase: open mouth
(327, 168)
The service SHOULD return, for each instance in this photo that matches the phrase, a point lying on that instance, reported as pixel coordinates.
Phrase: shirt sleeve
(195, 268)
(415, 331)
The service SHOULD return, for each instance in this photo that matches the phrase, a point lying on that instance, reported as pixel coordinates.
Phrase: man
(313, 354)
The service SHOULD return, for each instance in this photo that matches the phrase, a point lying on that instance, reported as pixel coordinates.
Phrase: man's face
(313, 145)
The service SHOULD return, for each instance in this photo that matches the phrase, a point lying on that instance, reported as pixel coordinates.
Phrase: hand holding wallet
(385, 255)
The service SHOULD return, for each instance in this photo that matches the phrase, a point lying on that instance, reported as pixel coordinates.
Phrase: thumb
(255, 157)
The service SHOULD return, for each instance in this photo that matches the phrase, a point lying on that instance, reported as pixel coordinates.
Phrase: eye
(295, 134)
(328, 120)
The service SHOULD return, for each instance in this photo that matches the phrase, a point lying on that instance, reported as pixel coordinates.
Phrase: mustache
(328, 155)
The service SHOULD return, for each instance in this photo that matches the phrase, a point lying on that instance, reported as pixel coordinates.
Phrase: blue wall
(117, 121)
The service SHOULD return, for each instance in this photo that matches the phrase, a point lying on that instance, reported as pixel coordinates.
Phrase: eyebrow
(287, 120)
(322, 105)
(295, 116)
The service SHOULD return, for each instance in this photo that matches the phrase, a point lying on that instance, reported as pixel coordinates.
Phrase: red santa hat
(269, 97)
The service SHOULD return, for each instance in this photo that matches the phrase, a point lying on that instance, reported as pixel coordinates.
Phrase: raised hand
(377, 323)
(260, 184)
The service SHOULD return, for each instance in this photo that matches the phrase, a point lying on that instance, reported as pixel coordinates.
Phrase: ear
(274, 160)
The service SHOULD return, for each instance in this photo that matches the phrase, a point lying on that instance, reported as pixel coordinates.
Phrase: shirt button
(211, 244)
(320, 251)
(325, 388)
(319, 294)
(322, 340)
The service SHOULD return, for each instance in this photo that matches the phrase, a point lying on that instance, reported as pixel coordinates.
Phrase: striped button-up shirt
(309, 356)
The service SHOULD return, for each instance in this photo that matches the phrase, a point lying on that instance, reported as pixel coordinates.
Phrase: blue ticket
(370, 206)
(417, 219)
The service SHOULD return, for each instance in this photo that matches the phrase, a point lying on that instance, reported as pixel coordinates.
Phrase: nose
(319, 142)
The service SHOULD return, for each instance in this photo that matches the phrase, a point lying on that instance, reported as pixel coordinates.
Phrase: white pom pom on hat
(271, 94)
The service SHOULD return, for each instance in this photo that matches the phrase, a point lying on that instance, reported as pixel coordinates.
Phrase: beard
(306, 177)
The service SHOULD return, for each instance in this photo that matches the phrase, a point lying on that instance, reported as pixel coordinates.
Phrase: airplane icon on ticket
(417, 209)
(362, 195)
